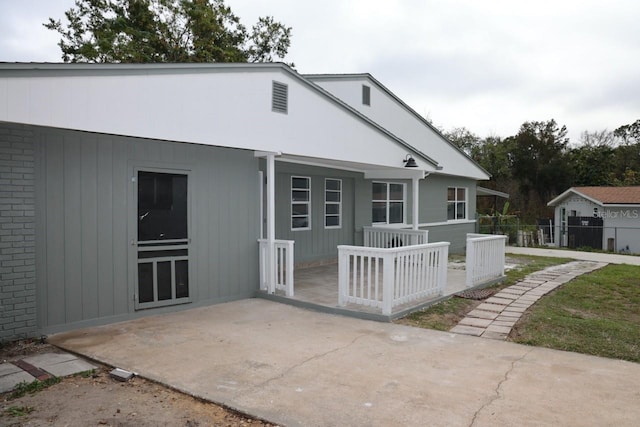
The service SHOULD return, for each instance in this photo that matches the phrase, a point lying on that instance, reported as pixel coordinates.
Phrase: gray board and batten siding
(319, 244)
(86, 224)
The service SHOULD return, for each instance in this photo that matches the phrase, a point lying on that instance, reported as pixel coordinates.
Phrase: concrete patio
(301, 368)
(316, 288)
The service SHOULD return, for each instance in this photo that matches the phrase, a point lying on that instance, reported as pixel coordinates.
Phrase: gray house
(139, 189)
(605, 218)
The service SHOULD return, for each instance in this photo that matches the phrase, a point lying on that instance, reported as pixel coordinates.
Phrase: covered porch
(357, 283)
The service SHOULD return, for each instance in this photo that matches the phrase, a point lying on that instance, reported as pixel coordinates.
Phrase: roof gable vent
(366, 95)
(279, 97)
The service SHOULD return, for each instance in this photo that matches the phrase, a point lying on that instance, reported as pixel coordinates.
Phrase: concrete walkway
(301, 368)
(495, 317)
(40, 367)
(585, 256)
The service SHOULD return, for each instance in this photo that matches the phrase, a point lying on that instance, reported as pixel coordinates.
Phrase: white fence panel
(386, 237)
(485, 258)
(283, 266)
(388, 277)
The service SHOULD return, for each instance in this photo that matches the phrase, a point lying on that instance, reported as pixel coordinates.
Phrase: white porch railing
(386, 237)
(284, 266)
(388, 277)
(485, 258)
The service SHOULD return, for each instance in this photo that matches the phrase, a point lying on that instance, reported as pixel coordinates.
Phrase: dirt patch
(98, 400)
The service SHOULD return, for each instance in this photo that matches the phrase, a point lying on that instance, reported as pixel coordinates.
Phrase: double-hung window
(332, 203)
(300, 203)
(456, 203)
(388, 203)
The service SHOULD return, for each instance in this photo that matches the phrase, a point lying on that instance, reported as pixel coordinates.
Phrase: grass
(25, 388)
(597, 314)
(446, 314)
(19, 411)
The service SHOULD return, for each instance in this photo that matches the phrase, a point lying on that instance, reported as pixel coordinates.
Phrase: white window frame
(326, 203)
(388, 201)
(298, 202)
(455, 204)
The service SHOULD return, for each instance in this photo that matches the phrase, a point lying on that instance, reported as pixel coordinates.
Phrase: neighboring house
(129, 187)
(599, 217)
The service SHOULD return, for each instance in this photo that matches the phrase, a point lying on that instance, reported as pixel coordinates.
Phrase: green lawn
(446, 314)
(598, 314)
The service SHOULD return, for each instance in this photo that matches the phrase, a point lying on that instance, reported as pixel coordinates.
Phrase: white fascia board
(570, 191)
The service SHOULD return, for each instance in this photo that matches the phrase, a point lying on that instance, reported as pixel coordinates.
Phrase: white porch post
(415, 182)
(271, 223)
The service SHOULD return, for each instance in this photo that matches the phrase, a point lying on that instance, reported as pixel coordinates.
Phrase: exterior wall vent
(366, 95)
(280, 97)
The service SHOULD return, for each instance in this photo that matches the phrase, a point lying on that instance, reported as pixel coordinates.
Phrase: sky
(486, 65)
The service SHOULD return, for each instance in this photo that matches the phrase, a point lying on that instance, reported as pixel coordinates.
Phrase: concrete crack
(498, 387)
(304, 362)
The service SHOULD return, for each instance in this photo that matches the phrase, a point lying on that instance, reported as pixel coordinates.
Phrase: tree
(630, 133)
(463, 138)
(538, 162)
(138, 31)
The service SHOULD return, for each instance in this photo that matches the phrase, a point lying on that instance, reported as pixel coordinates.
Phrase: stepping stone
(510, 314)
(491, 307)
(500, 329)
(59, 364)
(513, 309)
(474, 321)
(482, 314)
(12, 375)
(502, 301)
(505, 323)
(467, 330)
(505, 295)
(494, 335)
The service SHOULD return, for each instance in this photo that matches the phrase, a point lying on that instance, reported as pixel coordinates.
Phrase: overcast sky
(486, 65)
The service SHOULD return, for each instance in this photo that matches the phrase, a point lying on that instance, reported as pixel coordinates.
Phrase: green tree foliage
(463, 138)
(139, 31)
(539, 161)
(629, 134)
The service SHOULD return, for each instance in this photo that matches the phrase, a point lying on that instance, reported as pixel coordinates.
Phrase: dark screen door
(163, 239)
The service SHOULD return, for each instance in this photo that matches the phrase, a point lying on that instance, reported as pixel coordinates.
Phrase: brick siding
(17, 233)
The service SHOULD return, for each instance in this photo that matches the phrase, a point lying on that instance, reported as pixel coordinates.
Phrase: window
(300, 203)
(388, 203)
(456, 203)
(366, 95)
(279, 97)
(332, 203)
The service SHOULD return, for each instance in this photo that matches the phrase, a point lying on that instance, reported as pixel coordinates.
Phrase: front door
(162, 276)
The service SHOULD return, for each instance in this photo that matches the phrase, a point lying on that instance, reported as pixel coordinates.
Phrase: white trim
(308, 203)
(388, 201)
(339, 203)
(456, 201)
(456, 222)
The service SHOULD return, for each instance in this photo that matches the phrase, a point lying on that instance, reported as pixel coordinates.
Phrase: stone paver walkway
(495, 317)
(40, 367)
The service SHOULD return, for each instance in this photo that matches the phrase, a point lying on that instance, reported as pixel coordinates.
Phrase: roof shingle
(612, 195)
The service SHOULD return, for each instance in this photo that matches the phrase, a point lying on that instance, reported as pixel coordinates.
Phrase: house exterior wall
(622, 224)
(433, 210)
(392, 115)
(185, 104)
(581, 206)
(86, 212)
(17, 233)
(318, 243)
